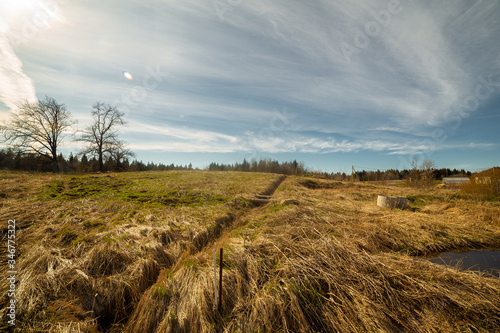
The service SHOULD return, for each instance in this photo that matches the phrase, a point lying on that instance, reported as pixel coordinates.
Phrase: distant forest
(36, 130)
(12, 160)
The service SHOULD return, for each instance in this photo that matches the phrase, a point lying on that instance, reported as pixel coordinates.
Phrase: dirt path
(211, 234)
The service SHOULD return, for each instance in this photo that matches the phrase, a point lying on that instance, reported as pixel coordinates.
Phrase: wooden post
(215, 280)
(220, 278)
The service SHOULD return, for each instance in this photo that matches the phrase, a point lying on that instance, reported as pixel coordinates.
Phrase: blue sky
(330, 83)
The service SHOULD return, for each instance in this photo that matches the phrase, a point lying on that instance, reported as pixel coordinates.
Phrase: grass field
(133, 252)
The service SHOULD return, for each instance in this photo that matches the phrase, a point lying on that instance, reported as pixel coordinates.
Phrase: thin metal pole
(215, 280)
(220, 277)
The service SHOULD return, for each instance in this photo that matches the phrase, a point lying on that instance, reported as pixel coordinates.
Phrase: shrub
(483, 185)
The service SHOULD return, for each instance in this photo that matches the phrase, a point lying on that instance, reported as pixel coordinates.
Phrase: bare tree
(427, 165)
(414, 172)
(120, 153)
(101, 136)
(414, 162)
(39, 128)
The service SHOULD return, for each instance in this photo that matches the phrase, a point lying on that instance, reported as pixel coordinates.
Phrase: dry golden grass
(438, 220)
(320, 257)
(86, 252)
(300, 280)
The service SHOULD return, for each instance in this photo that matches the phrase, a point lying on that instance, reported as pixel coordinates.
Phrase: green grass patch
(420, 200)
(276, 207)
(162, 292)
(157, 189)
(190, 263)
(91, 224)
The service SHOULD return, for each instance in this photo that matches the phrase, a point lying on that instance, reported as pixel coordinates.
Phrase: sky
(330, 83)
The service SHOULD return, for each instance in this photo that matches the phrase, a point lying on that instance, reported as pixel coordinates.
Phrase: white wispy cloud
(179, 139)
(15, 85)
(179, 133)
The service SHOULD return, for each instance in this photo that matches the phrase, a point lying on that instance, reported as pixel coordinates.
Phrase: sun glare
(11, 8)
(35, 13)
(128, 75)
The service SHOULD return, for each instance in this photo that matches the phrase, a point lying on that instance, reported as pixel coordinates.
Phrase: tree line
(407, 174)
(425, 170)
(36, 130)
(15, 160)
(263, 165)
(34, 134)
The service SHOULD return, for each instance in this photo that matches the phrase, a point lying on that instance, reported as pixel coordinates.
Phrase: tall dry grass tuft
(303, 281)
(106, 260)
(153, 306)
(82, 327)
(97, 288)
(38, 280)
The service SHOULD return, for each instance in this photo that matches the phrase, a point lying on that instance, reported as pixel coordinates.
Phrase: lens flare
(128, 75)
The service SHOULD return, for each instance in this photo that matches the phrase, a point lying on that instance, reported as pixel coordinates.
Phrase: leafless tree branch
(101, 137)
(38, 127)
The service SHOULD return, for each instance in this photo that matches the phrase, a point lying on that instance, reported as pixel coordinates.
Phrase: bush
(484, 185)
